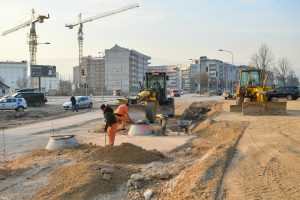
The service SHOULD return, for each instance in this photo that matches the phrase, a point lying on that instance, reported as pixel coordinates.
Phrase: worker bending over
(122, 113)
(111, 125)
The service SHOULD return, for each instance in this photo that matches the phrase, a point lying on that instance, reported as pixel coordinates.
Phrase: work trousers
(111, 133)
(122, 119)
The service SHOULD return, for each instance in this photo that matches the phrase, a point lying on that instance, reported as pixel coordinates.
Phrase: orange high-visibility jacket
(122, 110)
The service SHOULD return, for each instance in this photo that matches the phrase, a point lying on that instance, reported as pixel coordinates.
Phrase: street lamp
(39, 76)
(232, 66)
(199, 78)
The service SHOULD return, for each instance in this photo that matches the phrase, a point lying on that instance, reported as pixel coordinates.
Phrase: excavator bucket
(268, 108)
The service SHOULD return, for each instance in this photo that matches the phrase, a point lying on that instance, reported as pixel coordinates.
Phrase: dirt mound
(202, 179)
(81, 181)
(125, 153)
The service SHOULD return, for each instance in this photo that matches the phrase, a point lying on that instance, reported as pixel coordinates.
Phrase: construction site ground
(226, 156)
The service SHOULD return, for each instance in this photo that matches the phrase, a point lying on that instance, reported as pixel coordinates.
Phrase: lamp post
(232, 66)
(39, 78)
(102, 75)
(199, 76)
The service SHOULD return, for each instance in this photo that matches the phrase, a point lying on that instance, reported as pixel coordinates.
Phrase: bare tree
(292, 79)
(22, 83)
(263, 59)
(282, 70)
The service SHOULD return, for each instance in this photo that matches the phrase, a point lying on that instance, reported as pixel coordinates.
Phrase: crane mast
(32, 42)
(81, 70)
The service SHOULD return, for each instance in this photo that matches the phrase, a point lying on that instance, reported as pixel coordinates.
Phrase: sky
(170, 31)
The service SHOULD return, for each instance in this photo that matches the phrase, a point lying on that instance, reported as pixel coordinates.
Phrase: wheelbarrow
(184, 124)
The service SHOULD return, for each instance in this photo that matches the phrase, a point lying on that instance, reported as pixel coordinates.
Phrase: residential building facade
(185, 79)
(124, 69)
(13, 74)
(50, 84)
(95, 74)
(4, 89)
(213, 75)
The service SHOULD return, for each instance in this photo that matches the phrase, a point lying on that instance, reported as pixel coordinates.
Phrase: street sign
(42, 71)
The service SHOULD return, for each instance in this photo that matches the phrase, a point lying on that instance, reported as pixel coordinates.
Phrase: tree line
(282, 69)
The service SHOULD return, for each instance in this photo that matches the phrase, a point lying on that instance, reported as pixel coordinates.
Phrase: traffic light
(82, 72)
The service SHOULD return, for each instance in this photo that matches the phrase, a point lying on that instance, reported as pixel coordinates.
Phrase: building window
(3, 91)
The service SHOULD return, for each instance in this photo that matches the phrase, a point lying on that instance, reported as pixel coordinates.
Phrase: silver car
(81, 102)
(18, 104)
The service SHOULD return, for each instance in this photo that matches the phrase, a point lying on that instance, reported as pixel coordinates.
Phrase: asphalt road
(21, 139)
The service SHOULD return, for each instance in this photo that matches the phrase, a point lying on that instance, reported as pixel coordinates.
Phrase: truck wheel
(150, 112)
(38, 104)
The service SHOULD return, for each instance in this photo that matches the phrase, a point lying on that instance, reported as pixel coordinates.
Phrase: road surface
(267, 161)
(21, 139)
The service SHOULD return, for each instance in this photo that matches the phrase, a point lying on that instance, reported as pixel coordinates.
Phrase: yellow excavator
(152, 99)
(252, 95)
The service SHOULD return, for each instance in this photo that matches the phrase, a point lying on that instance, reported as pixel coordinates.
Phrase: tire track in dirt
(260, 170)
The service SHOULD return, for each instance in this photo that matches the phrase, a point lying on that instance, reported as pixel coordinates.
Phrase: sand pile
(125, 153)
(81, 181)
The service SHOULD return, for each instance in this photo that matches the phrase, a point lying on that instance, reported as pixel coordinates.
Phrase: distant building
(185, 79)
(13, 73)
(213, 75)
(50, 84)
(124, 69)
(4, 89)
(173, 71)
(95, 74)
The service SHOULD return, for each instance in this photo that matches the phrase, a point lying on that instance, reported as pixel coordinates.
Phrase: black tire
(150, 112)
(38, 104)
(20, 109)
(90, 105)
(239, 100)
(289, 97)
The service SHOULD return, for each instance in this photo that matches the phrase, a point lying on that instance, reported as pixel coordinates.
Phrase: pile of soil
(81, 181)
(125, 153)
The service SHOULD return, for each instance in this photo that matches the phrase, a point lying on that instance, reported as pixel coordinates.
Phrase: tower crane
(32, 34)
(81, 73)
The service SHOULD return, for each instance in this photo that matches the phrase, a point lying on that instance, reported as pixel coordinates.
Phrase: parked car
(81, 102)
(289, 92)
(174, 93)
(32, 98)
(18, 104)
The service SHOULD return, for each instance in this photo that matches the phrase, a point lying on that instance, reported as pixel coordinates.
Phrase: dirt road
(267, 160)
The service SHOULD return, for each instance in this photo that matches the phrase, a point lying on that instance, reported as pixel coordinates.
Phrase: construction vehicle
(152, 99)
(252, 95)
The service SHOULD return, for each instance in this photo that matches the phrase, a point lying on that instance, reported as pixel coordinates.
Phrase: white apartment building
(49, 84)
(124, 69)
(12, 73)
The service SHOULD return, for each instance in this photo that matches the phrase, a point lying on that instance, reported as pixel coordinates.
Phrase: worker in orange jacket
(122, 113)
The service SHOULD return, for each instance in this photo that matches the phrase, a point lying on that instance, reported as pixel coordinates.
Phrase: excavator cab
(156, 82)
